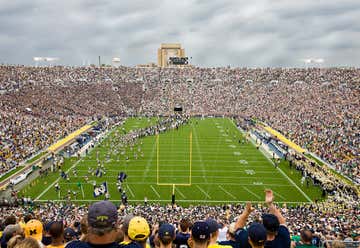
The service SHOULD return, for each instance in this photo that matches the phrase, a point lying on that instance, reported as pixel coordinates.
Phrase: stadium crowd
(326, 221)
(316, 108)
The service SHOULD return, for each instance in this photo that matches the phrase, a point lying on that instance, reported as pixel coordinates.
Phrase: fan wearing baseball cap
(214, 234)
(200, 235)
(102, 221)
(34, 229)
(166, 234)
(257, 235)
(139, 230)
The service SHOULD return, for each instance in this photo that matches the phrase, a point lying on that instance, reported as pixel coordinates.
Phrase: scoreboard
(178, 60)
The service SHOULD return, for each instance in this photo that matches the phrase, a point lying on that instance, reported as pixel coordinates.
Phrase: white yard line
(182, 195)
(159, 200)
(206, 194)
(148, 164)
(215, 183)
(227, 192)
(248, 190)
(233, 171)
(279, 195)
(82, 191)
(158, 195)
(131, 192)
(199, 154)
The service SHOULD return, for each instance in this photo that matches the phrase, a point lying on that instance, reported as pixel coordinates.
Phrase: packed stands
(315, 108)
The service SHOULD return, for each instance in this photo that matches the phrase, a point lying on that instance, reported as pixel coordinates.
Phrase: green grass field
(203, 162)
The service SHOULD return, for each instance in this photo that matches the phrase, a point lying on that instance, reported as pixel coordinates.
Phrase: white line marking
(279, 195)
(248, 190)
(157, 200)
(227, 192)
(131, 192)
(199, 183)
(82, 191)
(155, 191)
(182, 195)
(206, 194)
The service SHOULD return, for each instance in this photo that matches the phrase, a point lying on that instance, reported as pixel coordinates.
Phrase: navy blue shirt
(281, 240)
(241, 237)
(181, 240)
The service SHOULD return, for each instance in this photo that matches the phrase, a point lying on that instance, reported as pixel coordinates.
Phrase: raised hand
(249, 208)
(269, 196)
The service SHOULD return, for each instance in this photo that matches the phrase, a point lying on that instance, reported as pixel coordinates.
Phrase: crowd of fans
(316, 108)
(58, 225)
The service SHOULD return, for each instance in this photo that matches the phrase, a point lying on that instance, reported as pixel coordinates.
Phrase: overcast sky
(254, 33)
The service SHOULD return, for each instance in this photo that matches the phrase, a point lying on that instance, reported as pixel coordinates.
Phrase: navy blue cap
(102, 214)
(69, 233)
(166, 230)
(257, 234)
(213, 225)
(200, 230)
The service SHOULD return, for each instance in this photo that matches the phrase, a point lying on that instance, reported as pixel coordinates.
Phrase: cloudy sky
(254, 33)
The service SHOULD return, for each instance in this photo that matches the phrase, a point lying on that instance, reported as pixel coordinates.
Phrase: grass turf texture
(9, 174)
(202, 162)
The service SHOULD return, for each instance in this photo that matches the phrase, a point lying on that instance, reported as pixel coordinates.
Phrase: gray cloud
(214, 33)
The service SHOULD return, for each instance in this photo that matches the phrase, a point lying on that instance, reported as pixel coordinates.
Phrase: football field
(207, 161)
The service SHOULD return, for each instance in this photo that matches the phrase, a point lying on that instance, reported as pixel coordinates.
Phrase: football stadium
(246, 141)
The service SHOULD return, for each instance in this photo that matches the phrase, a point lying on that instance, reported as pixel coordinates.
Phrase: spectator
(69, 235)
(306, 239)
(9, 232)
(102, 220)
(127, 242)
(166, 235)
(214, 234)
(33, 229)
(14, 241)
(230, 236)
(200, 235)
(29, 243)
(257, 235)
(139, 230)
(183, 235)
(57, 235)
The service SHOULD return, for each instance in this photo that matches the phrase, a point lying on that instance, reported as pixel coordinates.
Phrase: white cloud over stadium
(214, 33)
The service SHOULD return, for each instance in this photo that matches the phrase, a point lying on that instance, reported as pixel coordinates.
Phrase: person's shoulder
(77, 244)
(129, 245)
(241, 234)
(283, 230)
(219, 246)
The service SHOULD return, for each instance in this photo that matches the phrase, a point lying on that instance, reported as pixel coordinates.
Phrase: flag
(122, 176)
(101, 189)
(63, 175)
(98, 172)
